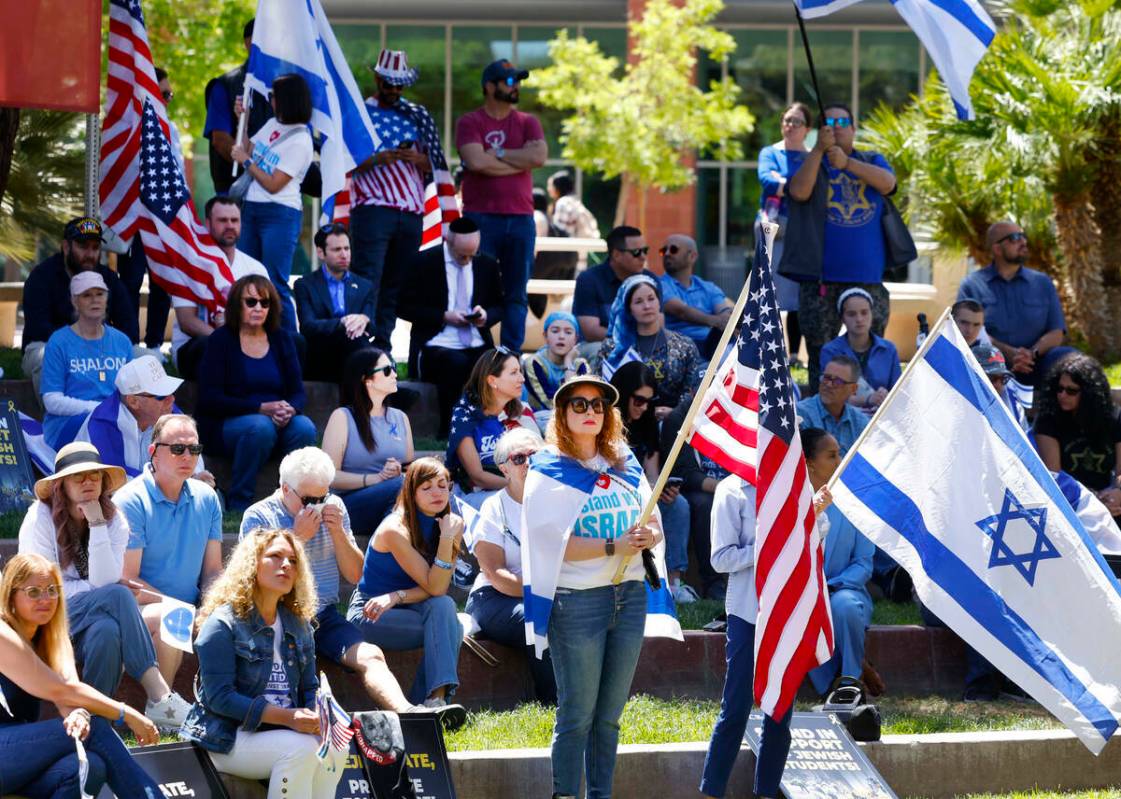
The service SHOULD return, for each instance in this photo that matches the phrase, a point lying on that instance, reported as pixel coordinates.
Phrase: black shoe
(451, 716)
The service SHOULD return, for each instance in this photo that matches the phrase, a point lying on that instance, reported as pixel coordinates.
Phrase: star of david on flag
(996, 527)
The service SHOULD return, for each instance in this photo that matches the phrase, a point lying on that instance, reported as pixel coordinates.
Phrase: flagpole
(810, 60)
(242, 123)
(926, 345)
(769, 230)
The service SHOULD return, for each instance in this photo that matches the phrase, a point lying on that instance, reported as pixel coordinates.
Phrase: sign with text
(426, 775)
(824, 761)
(15, 463)
(181, 769)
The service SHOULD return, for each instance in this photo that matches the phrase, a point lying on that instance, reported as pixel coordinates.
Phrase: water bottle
(924, 331)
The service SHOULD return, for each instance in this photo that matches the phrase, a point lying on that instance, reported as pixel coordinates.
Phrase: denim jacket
(235, 660)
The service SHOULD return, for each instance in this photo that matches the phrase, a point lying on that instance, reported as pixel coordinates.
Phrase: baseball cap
(145, 375)
(82, 228)
(498, 71)
(991, 360)
(84, 281)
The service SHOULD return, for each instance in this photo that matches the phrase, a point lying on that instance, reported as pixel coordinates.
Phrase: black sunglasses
(156, 397)
(598, 405)
(167, 96)
(640, 400)
(385, 371)
(636, 252)
(313, 500)
(1019, 235)
(253, 302)
(1070, 391)
(179, 449)
(519, 459)
(672, 249)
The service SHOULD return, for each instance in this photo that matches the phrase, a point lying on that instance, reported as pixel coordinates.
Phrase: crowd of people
(131, 517)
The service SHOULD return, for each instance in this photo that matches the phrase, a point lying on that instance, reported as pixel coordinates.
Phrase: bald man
(1022, 313)
(693, 307)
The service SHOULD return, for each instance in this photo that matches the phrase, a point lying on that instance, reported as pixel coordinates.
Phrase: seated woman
(551, 365)
(37, 663)
(491, 404)
(1078, 428)
(75, 524)
(636, 332)
(80, 361)
(878, 358)
(255, 711)
(368, 441)
(495, 601)
(251, 389)
(848, 566)
(401, 602)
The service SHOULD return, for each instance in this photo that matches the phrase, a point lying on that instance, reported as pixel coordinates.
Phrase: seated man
(46, 293)
(334, 306)
(175, 530)
(969, 316)
(994, 366)
(452, 296)
(829, 409)
(597, 285)
(121, 426)
(1023, 317)
(304, 504)
(693, 307)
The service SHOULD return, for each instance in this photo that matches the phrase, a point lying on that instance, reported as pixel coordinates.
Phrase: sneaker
(683, 593)
(169, 713)
(451, 716)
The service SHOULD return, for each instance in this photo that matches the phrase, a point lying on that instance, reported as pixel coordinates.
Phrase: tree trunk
(1106, 195)
(1080, 242)
(621, 203)
(9, 127)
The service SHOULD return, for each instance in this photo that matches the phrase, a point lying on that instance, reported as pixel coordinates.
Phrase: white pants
(285, 758)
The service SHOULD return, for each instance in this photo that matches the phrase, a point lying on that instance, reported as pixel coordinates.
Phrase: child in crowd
(554, 363)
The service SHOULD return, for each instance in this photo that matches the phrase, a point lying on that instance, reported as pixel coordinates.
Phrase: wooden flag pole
(242, 123)
(769, 230)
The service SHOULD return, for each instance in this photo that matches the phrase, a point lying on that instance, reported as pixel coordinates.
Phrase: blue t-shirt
(1017, 311)
(173, 535)
(846, 430)
(262, 377)
(83, 369)
(776, 159)
(218, 111)
(854, 238)
(700, 294)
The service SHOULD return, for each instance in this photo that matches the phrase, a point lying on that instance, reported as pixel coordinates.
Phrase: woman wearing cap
(80, 361)
(556, 361)
(878, 358)
(496, 601)
(636, 331)
(594, 626)
(75, 524)
(37, 663)
(277, 158)
(251, 389)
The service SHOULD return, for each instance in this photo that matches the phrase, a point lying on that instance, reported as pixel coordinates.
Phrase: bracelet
(121, 718)
(442, 564)
(364, 478)
(248, 162)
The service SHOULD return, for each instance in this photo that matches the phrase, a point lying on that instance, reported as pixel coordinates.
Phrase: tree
(647, 123)
(1042, 150)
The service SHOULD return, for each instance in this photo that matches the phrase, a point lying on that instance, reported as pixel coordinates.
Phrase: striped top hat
(393, 67)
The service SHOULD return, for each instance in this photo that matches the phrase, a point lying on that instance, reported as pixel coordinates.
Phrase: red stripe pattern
(747, 423)
(143, 191)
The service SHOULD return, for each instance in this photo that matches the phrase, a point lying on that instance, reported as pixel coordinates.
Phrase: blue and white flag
(956, 33)
(295, 36)
(947, 484)
(556, 488)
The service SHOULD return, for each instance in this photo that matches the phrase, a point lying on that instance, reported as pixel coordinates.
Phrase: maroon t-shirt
(508, 194)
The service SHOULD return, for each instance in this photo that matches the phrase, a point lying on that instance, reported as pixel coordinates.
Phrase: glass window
(889, 69)
(360, 45)
(743, 206)
(472, 49)
(832, 51)
(708, 206)
(424, 47)
(758, 66)
(533, 53)
(611, 41)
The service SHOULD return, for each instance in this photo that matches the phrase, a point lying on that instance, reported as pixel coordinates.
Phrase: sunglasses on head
(502, 352)
(179, 449)
(598, 405)
(253, 302)
(1070, 391)
(332, 227)
(636, 252)
(384, 371)
(1019, 235)
(838, 122)
(35, 593)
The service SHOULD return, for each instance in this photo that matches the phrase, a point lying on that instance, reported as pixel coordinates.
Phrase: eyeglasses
(520, 459)
(833, 380)
(636, 252)
(384, 371)
(598, 405)
(156, 397)
(640, 400)
(1019, 235)
(179, 449)
(331, 228)
(253, 302)
(794, 122)
(1070, 391)
(838, 122)
(85, 477)
(35, 593)
(672, 249)
(168, 95)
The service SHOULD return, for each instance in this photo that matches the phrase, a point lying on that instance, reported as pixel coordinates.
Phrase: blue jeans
(431, 625)
(731, 724)
(270, 233)
(250, 440)
(852, 613)
(596, 636)
(108, 632)
(42, 763)
(384, 241)
(368, 506)
(502, 619)
(509, 239)
(675, 525)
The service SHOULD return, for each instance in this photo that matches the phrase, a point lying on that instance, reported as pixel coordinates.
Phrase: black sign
(824, 762)
(425, 757)
(15, 464)
(181, 769)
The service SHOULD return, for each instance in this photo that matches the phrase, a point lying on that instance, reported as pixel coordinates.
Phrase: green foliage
(644, 122)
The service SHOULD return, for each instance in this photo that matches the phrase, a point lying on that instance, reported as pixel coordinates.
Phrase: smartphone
(407, 144)
(473, 315)
(675, 482)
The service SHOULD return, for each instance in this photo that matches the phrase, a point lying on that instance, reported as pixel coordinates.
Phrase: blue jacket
(883, 360)
(848, 554)
(235, 661)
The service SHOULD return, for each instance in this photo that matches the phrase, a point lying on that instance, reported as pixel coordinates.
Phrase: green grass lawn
(1103, 793)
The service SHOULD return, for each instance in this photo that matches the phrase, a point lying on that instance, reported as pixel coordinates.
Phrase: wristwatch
(246, 163)
(609, 547)
(499, 152)
(400, 595)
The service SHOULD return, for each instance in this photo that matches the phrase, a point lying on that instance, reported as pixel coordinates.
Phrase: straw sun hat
(77, 458)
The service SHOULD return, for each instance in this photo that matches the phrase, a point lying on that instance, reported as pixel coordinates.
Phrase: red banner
(50, 54)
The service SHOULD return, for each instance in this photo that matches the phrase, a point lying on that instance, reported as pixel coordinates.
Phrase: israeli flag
(557, 487)
(948, 485)
(294, 36)
(177, 623)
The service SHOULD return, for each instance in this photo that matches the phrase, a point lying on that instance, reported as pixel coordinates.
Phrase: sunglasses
(1019, 235)
(672, 249)
(831, 380)
(253, 302)
(794, 122)
(156, 397)
(1070, 391)
(637, 252)
(35, 593)
(85, 477)
(598, 405)
(501, 353)
(384, 371)
(179, 449)
(309, 501)
(838, 122)
(167, 96)
(641, 401)
(509, 81)
(520, 459)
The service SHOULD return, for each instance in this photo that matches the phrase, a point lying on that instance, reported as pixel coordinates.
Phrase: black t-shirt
(24, 707)
(1089, 460)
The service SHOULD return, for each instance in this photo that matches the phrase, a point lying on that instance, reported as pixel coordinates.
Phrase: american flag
(336, 726)
(747, 424)
(143, 190)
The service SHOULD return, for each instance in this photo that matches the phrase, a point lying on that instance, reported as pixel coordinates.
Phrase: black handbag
(899, 247)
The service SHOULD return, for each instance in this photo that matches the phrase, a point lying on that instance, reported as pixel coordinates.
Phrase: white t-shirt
(277, 689)
(292, 157)
(243, 265)
(505, 532)
(610, 511)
